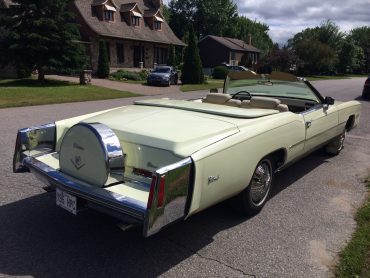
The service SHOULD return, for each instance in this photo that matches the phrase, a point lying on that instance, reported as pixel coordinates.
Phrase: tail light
(151, 192)
(161, 191)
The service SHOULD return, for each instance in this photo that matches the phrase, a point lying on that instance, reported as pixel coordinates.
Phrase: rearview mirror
(329, 101)
(213, 90)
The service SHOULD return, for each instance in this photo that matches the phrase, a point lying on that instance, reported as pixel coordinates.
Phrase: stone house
(135, 31)
(215, 50)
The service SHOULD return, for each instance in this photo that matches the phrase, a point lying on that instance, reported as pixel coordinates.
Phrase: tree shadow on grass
(28, 82)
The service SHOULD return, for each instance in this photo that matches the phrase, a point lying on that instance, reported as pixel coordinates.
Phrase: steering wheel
(242, 95)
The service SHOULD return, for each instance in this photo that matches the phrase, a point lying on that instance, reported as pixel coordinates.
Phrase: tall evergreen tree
(172, 59)
(42, 35)
(103, 61)
(192, 70)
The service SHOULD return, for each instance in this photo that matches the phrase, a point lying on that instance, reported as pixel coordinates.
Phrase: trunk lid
(181, 132)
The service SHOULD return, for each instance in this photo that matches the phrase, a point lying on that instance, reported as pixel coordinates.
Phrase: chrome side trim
(178, 183)
(99, 196)
(41, 139)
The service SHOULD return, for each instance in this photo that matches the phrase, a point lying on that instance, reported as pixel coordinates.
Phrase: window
(157, 25)
(135, 20)
(120, 53)
(93, 12)
(233, 55)
(108, 15)
(160, 55)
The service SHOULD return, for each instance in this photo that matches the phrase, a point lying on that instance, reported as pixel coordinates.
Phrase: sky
(286, 18)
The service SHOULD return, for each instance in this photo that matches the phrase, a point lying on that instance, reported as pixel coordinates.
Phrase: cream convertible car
(162, 160)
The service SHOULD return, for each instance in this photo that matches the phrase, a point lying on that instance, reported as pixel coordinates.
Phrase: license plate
(66, 201)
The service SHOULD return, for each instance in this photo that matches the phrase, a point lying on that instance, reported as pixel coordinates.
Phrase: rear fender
(170, 196)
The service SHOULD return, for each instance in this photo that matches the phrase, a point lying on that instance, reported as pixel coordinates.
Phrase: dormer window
(157, 25)
(109, 12)
(131, 13)
(104, 9)
(136, 21)
(154, 19)
(108, 15)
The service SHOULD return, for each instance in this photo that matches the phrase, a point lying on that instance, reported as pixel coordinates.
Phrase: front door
(321, 125)
(138, 56)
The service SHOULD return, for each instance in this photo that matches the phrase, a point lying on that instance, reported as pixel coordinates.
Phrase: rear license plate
(66, 201)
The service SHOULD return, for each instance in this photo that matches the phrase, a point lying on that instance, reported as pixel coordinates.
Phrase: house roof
(120, 29)
(128, 7)
(233, 44)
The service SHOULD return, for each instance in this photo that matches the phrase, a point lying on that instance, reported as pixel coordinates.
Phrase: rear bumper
(116, 205)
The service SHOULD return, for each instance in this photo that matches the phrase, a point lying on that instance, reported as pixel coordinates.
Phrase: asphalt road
(307, 220)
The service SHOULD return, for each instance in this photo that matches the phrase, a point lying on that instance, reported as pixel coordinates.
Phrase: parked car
(163, 75)
(366, 89)
(162, 160)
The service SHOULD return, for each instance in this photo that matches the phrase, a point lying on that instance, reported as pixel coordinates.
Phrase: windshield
(162, 70)
(282, 85)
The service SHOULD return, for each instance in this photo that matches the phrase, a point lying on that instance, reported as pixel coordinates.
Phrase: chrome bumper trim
(99, 196)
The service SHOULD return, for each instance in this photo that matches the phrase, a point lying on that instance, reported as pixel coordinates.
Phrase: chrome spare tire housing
(92, 153)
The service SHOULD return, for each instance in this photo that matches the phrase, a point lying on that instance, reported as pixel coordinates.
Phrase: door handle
(308, 124)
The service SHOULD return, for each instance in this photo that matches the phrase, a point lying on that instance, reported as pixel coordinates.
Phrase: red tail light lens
(161, 191)
(151, 192)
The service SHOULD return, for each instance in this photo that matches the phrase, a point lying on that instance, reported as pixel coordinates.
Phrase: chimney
(158, 4)
(250, 39)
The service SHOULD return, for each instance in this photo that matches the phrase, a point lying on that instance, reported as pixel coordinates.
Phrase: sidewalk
(121, 86)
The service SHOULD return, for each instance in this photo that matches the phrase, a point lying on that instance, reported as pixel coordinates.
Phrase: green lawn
(211, 83)
(27, 92)
(355, 258)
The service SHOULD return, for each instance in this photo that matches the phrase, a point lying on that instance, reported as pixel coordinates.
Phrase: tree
(242, 27)
(42, 35)
(103, 61)
(361, 37)
(282, 59)
(182, 15)
(318, 47)
(192, 70)
(346, 56)
(172, 61)
(215, 17)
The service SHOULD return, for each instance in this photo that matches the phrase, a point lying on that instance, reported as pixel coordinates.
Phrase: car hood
(178, 131)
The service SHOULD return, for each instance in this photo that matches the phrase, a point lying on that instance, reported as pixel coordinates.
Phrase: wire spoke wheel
(261, 182)
(254, 197)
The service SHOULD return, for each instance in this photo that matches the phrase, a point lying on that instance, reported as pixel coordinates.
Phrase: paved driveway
(142, 89)
(305, 223)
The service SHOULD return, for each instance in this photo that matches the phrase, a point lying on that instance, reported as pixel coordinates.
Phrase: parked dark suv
(163, 75)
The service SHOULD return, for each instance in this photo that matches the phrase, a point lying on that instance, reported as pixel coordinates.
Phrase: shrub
(192, 69)
(220, 72)
(103, 62)
(128, 75)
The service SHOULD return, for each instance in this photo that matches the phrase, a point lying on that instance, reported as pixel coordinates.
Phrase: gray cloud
(286, 18)
(289, 17)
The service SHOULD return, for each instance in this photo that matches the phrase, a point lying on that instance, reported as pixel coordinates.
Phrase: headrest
(216, 98)
(264, 102)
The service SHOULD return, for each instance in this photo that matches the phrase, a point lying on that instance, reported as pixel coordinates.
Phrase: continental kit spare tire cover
(88, 151)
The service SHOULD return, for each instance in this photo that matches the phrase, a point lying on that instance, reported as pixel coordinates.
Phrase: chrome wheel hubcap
(341, 141)
(260, 184)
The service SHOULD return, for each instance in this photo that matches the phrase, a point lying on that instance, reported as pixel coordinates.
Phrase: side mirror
(329, 101)
(213, 90)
